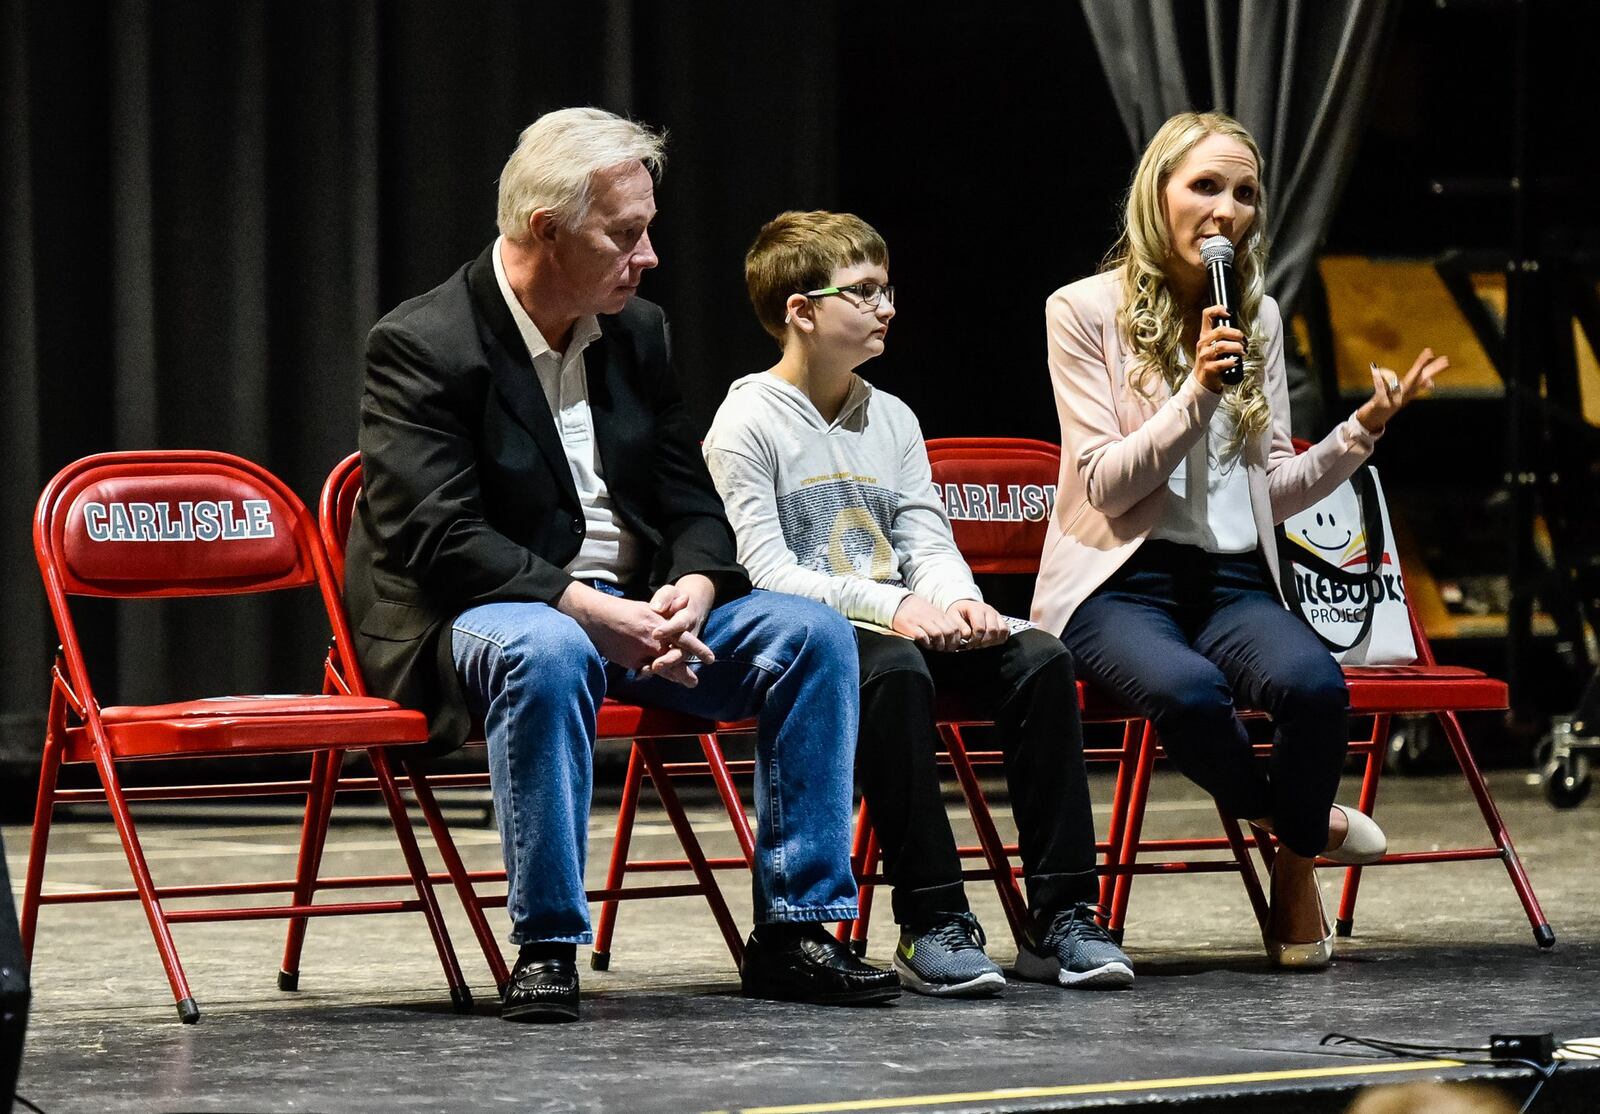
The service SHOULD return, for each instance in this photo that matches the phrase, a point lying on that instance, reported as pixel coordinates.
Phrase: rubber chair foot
(600, 961)
(461, 999)
(1545, 936)
(188, 1011)
(1116, 935)
(288, 980)
(859, 947)
(1344, 927)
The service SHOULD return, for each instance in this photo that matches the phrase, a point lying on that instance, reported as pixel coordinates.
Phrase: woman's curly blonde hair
(1150, 318)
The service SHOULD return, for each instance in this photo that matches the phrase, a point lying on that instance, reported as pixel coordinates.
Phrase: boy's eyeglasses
(869, 293)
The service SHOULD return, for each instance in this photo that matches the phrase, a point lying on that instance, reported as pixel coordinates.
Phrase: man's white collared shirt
(610, 551)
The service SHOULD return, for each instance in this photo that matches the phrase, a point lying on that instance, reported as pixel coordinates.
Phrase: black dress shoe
(541, 990)
(813, 967)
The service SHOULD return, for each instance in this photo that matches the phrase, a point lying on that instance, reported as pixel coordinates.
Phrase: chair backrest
(998, 492)
(336, 509)
(140, 525)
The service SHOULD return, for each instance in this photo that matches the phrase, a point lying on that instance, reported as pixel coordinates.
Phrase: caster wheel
(1414, 747)
(1566, 780)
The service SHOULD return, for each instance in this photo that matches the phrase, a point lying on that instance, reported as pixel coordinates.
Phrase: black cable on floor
(1407, 1051)
(28, 1104)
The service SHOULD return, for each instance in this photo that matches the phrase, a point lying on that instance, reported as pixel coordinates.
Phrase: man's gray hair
(556, 157)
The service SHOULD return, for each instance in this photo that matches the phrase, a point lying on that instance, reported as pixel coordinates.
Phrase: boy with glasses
(827, 486)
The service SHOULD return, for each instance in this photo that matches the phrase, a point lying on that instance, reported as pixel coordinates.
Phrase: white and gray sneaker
(945, 959)
(1075, 951)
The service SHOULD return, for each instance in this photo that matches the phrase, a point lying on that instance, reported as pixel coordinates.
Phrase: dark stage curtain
(206, 206)
(1299, 74)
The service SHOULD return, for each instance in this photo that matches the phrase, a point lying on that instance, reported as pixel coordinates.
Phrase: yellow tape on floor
(1097, 1088)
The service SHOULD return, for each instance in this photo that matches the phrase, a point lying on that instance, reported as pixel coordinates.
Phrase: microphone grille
(1216, 249)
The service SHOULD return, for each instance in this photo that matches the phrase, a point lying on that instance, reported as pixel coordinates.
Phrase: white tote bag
(1341, 572)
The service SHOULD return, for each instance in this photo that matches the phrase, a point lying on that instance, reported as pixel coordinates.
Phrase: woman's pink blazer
(1118, 448)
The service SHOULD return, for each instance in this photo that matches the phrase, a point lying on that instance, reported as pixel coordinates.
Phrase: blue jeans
(536, 681)
(1176, 634)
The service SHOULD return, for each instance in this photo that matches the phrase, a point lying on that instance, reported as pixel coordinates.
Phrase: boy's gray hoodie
(842, 512)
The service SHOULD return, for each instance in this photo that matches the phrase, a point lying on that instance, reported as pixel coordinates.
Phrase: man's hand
(982, 625)
(689, 600)
(926, 625)
(628, 632)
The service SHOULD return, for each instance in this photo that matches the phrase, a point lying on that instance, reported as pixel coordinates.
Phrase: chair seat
(1422, 688)
(630, 721)
(1373, 689)
(250, 724)
(1100, 706)
(959, 708)
(1097, 707)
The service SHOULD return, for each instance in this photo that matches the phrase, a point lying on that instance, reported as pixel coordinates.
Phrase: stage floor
(1442, 954)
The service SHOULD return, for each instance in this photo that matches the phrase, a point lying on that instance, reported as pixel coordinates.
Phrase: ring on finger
(1391, 382)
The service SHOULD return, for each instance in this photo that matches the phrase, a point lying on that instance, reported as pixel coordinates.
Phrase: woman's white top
(1208, 494)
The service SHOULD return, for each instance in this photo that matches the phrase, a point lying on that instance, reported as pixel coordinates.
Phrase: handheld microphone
(1217, 255)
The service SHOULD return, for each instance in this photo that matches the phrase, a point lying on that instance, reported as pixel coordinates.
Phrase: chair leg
(460, 994)
(863, 923)
(870, 860)
(730, 798)
(1543, 934)
(1128, 851)
(1131, 732)
(1011, 900)
(861, 833)
(1344, 923)
(325, 768)
(691, 849)
(43, 815)
(457, 870)
(1247, 868)
(600, 957)
(188, 1009)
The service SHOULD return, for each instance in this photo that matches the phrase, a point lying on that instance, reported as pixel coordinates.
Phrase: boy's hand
(926, 625)
(982, 625)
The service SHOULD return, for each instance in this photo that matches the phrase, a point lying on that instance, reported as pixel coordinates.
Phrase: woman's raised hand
(1214, 351)
(1390, 392)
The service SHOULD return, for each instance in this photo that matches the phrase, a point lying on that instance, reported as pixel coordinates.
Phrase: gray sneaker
(1075, 952)
(945, 959)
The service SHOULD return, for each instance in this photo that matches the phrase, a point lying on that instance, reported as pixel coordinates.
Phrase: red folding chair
(644, 727)
(1423, 688)
(143, 525)
(999, 492)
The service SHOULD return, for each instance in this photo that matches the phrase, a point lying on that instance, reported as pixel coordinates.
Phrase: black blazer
(467, 496)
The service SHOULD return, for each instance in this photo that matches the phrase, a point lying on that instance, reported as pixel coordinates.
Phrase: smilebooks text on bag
(1341, 572)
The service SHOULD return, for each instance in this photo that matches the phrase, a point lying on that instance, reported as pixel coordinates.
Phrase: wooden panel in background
(1388, 310)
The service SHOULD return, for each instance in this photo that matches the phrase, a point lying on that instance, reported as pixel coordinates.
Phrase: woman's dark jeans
(1183, 636)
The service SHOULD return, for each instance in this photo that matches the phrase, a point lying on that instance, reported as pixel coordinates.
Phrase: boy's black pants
(1026, 685)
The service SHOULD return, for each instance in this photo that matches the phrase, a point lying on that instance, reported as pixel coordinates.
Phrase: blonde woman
(1158, 568)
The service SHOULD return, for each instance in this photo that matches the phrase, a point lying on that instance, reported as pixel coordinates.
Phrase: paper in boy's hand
(1013, 626)
(877, 629)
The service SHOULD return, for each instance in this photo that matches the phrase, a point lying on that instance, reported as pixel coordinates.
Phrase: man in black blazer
(537, 529)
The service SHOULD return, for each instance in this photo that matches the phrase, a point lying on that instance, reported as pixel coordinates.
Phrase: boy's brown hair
(795, 252)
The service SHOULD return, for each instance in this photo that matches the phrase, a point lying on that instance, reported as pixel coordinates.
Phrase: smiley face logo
(1332, 530)
(1329, 523)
